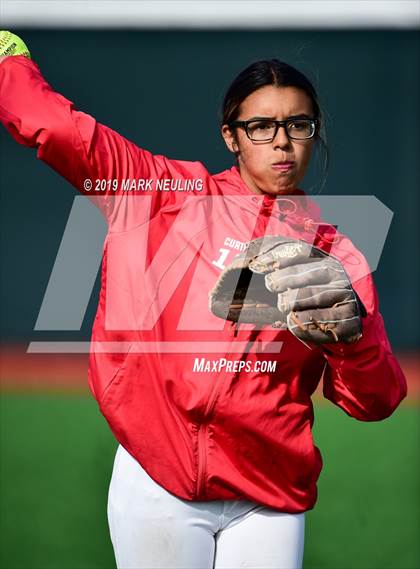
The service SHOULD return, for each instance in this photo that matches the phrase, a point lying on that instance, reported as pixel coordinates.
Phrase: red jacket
(193, 399)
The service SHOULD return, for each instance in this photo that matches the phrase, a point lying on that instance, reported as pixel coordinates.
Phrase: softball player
(216, 465)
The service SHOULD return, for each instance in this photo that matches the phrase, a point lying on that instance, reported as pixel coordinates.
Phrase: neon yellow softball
(11, 44)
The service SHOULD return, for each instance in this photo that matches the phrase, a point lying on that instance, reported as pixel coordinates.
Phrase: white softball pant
(151, 528)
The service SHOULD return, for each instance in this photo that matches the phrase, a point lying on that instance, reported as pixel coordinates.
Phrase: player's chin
(284, 186)
(283, 183)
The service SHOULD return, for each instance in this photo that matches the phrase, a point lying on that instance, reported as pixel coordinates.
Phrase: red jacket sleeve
(72, 142)
(364, 378)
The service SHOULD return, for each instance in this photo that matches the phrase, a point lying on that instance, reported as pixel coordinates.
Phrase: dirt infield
(22, 371)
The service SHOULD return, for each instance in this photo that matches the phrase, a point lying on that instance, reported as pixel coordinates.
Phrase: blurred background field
(156, 87)
(56, 461)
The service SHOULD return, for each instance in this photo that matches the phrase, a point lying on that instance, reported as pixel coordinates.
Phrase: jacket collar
(296, 204)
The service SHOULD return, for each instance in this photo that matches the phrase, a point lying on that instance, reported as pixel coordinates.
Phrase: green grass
(56, 459)
(368, 510)
(56, 454)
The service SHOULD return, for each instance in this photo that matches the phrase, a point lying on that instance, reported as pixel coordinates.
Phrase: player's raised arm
(72, 142)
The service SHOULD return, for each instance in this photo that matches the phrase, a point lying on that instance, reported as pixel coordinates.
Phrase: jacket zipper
(202, 429)
(202, 432)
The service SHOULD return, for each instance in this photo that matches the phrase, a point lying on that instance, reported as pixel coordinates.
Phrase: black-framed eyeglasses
(265, 130)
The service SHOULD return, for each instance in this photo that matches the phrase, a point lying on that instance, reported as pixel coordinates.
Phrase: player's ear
(229, 137)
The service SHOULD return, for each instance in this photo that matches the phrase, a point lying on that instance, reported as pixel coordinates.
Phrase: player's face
(257, 161)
